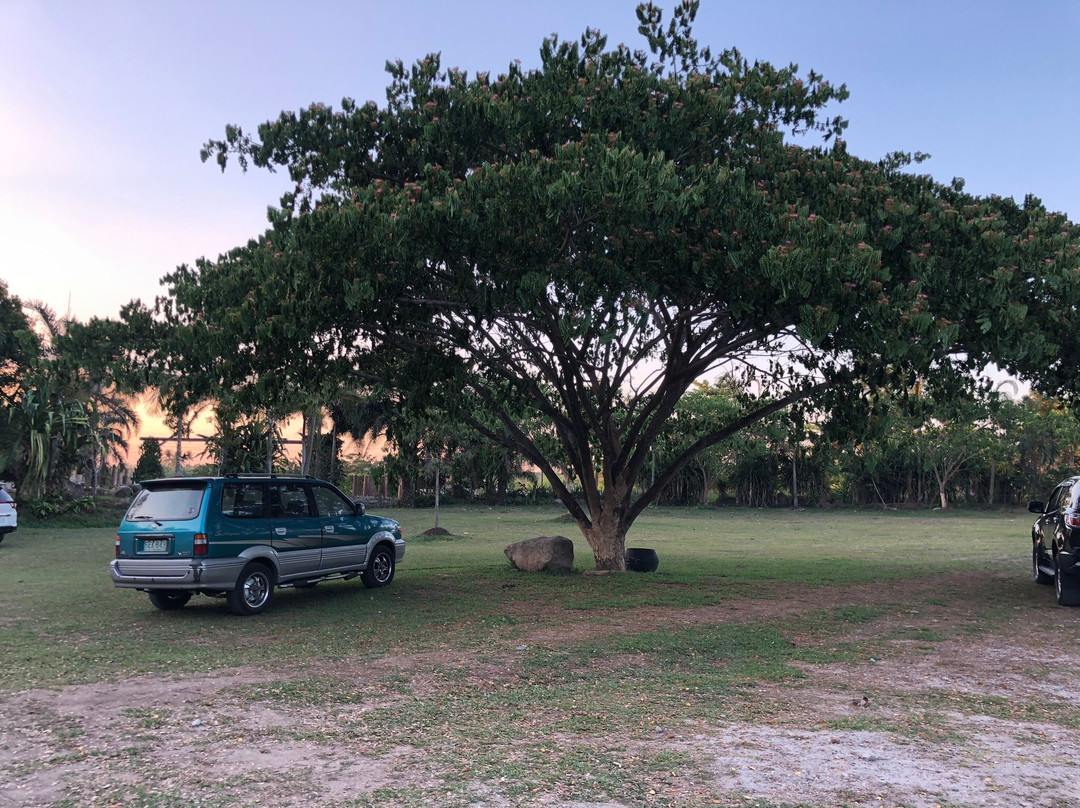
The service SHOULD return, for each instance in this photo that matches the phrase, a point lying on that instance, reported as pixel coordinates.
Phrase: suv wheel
(380, 569)
(168, 600)
(1067, 592)
(1037, 574)
(253, 591)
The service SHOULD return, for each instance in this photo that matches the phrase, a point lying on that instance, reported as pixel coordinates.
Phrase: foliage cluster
(553, 256)
(538, 266)
(990, 451)
(60, 411)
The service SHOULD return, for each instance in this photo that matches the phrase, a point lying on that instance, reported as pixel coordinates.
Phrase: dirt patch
(955, 755)
(943, 714)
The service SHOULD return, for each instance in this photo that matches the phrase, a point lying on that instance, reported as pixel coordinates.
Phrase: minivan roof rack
(264, 476)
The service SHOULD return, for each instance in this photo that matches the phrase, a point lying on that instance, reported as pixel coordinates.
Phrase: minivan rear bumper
(163, 573)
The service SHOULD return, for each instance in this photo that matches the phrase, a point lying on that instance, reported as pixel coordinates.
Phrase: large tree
(585, 239)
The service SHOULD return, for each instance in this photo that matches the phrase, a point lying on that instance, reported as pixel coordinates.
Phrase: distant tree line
(65, 412)
(916, 453)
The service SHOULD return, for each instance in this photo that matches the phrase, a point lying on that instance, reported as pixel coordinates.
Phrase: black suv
(1055, 542)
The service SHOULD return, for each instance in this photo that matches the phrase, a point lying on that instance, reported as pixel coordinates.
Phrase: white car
(9, 517)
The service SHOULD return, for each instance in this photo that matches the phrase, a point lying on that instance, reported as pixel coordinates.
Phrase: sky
(105, 105)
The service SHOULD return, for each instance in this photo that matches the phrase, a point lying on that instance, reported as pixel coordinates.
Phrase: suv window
(243, 500)
(1059, 498)
(331, 503)
(168, 504)
(289, 500)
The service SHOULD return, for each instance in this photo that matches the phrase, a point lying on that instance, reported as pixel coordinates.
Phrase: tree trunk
(437, 486)
(406, 489)
(608, 546)
(708, 484)
(794, 480)
(942, 481)
(607, 533)
(269, 443)
(305, 444)
(312, 431)
(179, 445)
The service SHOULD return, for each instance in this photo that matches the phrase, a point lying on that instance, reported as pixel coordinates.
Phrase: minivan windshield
(173, 503)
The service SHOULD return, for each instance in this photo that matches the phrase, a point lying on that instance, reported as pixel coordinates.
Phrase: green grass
(64, 622)
(535, 687)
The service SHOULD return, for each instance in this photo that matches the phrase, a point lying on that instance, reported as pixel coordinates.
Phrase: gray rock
(552, 553)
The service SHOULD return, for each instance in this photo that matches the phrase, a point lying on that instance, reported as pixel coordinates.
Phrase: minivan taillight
(1072, 519)
(117, 551)
(201, 546)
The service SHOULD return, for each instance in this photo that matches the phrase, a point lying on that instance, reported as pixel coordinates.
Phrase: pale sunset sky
(104, 105)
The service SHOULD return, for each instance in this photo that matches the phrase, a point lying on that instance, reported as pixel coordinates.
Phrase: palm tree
(112, 420)
(178, 409)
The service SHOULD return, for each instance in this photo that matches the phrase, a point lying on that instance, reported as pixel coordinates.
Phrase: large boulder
(553, 553)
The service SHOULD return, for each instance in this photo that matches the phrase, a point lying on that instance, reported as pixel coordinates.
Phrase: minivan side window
(331, 503)
(289, 500)
(243, 500)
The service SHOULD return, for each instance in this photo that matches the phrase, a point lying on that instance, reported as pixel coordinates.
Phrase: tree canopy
(583, 240)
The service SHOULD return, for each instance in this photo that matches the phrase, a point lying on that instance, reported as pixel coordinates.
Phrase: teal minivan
(239, 537)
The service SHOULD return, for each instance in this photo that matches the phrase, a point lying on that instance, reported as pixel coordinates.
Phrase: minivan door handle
(280, 531)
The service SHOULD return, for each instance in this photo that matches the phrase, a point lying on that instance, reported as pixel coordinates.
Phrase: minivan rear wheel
(253, 591)
(169, 600)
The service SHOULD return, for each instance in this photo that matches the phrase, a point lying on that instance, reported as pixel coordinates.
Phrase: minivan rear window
(173, 503)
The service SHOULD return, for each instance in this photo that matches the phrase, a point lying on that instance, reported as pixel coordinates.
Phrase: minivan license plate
(155, 545)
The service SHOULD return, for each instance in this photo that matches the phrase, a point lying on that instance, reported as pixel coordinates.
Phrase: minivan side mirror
(1036, 507)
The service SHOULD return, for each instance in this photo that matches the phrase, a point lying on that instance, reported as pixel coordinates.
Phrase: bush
(60, 511)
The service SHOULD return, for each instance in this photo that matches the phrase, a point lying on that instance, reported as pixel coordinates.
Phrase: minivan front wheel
(380, 568)
(168, 600)
(253, 591)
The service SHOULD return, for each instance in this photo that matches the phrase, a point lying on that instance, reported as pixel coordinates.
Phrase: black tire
(253, 591)
(380, 568)
(169, 600)
(1068, 594)
(1037, 574)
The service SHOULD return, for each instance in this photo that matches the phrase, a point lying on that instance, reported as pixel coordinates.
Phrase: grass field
(469, 683)
(66, 624)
